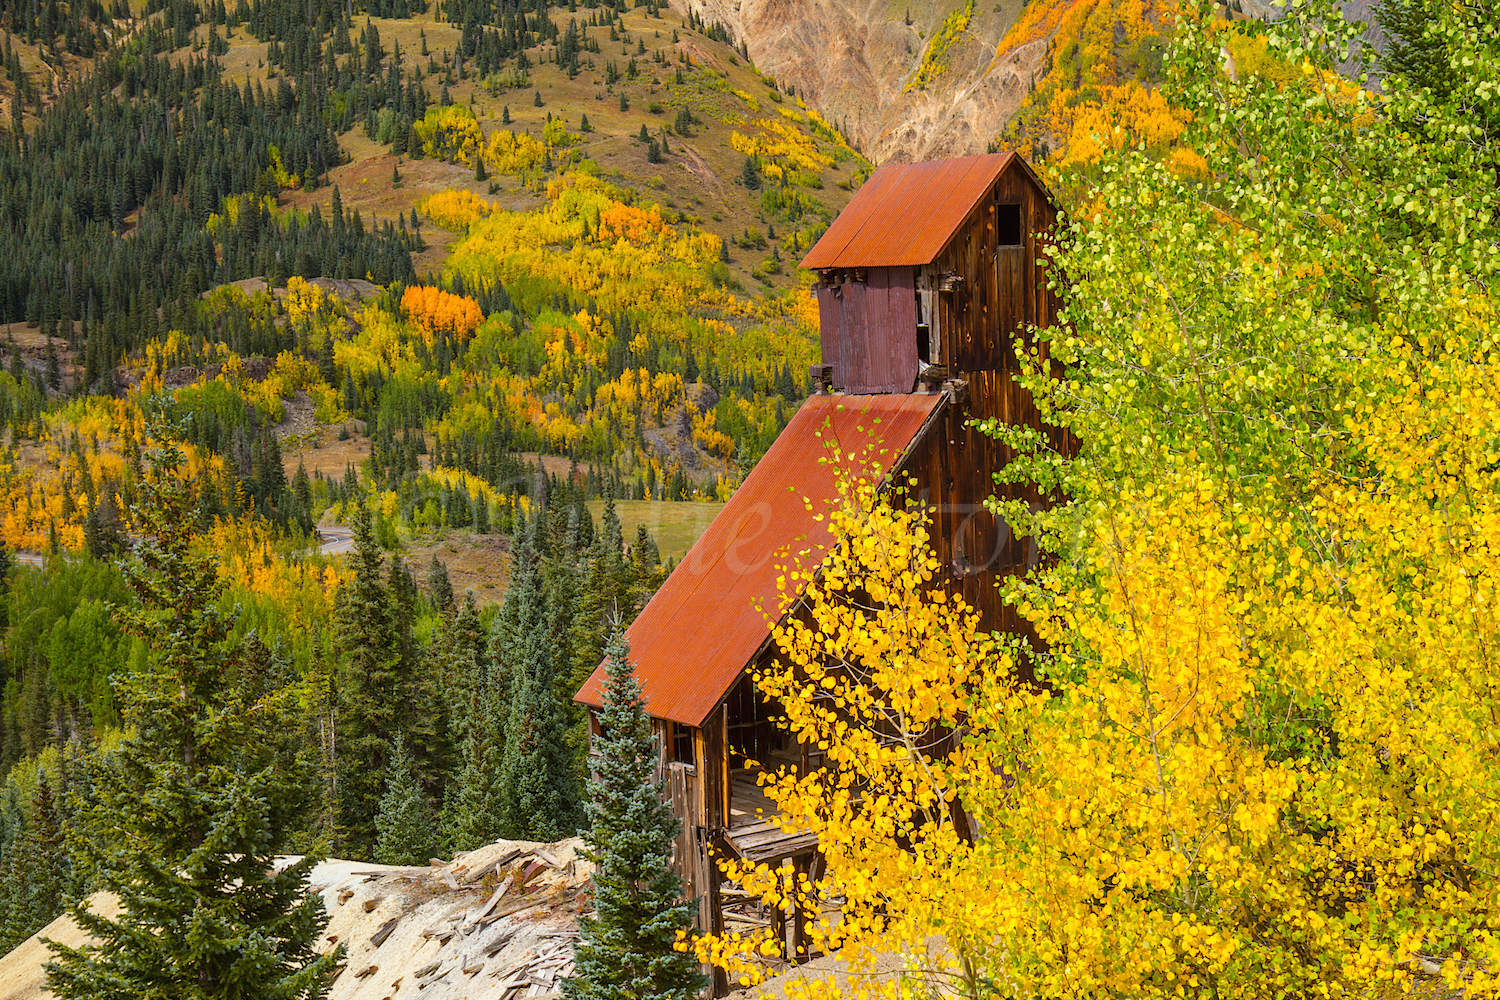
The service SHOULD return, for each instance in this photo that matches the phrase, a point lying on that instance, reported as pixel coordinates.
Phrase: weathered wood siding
(868, 329)
(1004, 290)
(1003, 287)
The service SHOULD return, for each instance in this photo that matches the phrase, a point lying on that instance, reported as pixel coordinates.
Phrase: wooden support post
(716, 918)
(800, 866)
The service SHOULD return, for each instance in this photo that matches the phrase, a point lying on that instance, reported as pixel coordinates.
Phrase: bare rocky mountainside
(860, 63)
(914, 81)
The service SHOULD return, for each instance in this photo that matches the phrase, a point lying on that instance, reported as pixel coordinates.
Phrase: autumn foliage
(455, 209)
(437, 311)
(1262, 758)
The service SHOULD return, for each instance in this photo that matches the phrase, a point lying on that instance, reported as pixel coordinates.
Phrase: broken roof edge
(898, 465)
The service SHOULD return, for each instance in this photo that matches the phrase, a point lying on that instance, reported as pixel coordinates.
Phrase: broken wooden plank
(448, 878)
(489, 904)
(370, 904)
(494, 947)
(497, 866)
(525, 903)
(384, 931)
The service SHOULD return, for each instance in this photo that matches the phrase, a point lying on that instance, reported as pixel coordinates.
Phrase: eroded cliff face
(854, 59)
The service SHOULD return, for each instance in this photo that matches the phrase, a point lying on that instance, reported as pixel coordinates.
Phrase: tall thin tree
(628, 949)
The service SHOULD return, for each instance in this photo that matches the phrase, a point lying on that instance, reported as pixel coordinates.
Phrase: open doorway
(756, 744)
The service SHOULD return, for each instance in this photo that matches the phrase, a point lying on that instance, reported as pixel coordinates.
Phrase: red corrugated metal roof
(907, 212)
(703, 627)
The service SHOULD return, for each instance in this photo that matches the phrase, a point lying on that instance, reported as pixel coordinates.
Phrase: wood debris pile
(497, 923)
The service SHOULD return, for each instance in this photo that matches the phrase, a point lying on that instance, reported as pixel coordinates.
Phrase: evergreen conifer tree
(37, 873)
(538, 779)
(370, 688)
(7, 563)
(404, 823)
(189, 812)
(1423, 62)
(439, 588)
(473, 809)
(627, 949)
(593, 608)
(54, 369)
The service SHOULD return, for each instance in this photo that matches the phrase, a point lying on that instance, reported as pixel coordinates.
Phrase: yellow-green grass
(674, 525)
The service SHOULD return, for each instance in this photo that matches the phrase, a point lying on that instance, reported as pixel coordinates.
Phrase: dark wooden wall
(954, 465)
(1003, 288)
(867, 316)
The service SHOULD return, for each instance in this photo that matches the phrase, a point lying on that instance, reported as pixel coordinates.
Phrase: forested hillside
(462, 283)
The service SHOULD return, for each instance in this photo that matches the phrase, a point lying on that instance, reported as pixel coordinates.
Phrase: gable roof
(700, 630)
(906, 213)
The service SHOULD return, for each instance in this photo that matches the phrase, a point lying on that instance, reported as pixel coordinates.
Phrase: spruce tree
(190, 811)
(420, 711)
(37, 872)
(473, 808)
(439, 588)
(1423, 61)
(595, 606)
(539, 782)
(7, 563)
(370, 682)
(406, 835)
(627, 950)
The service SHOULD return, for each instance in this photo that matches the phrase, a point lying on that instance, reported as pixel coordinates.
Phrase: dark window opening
(682, 745)
(1008, 225)
(924, 322)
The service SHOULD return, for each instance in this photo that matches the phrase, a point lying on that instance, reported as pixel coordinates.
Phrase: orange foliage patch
(437, 311)
(626, 222)
(1099, 92)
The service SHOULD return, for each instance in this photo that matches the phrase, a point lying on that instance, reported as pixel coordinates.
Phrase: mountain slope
(905, 81)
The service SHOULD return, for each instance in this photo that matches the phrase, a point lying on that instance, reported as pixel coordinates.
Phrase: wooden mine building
(925, 278)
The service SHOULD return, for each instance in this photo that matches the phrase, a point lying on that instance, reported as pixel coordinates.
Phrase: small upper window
(682, 745)
(1008, 225)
